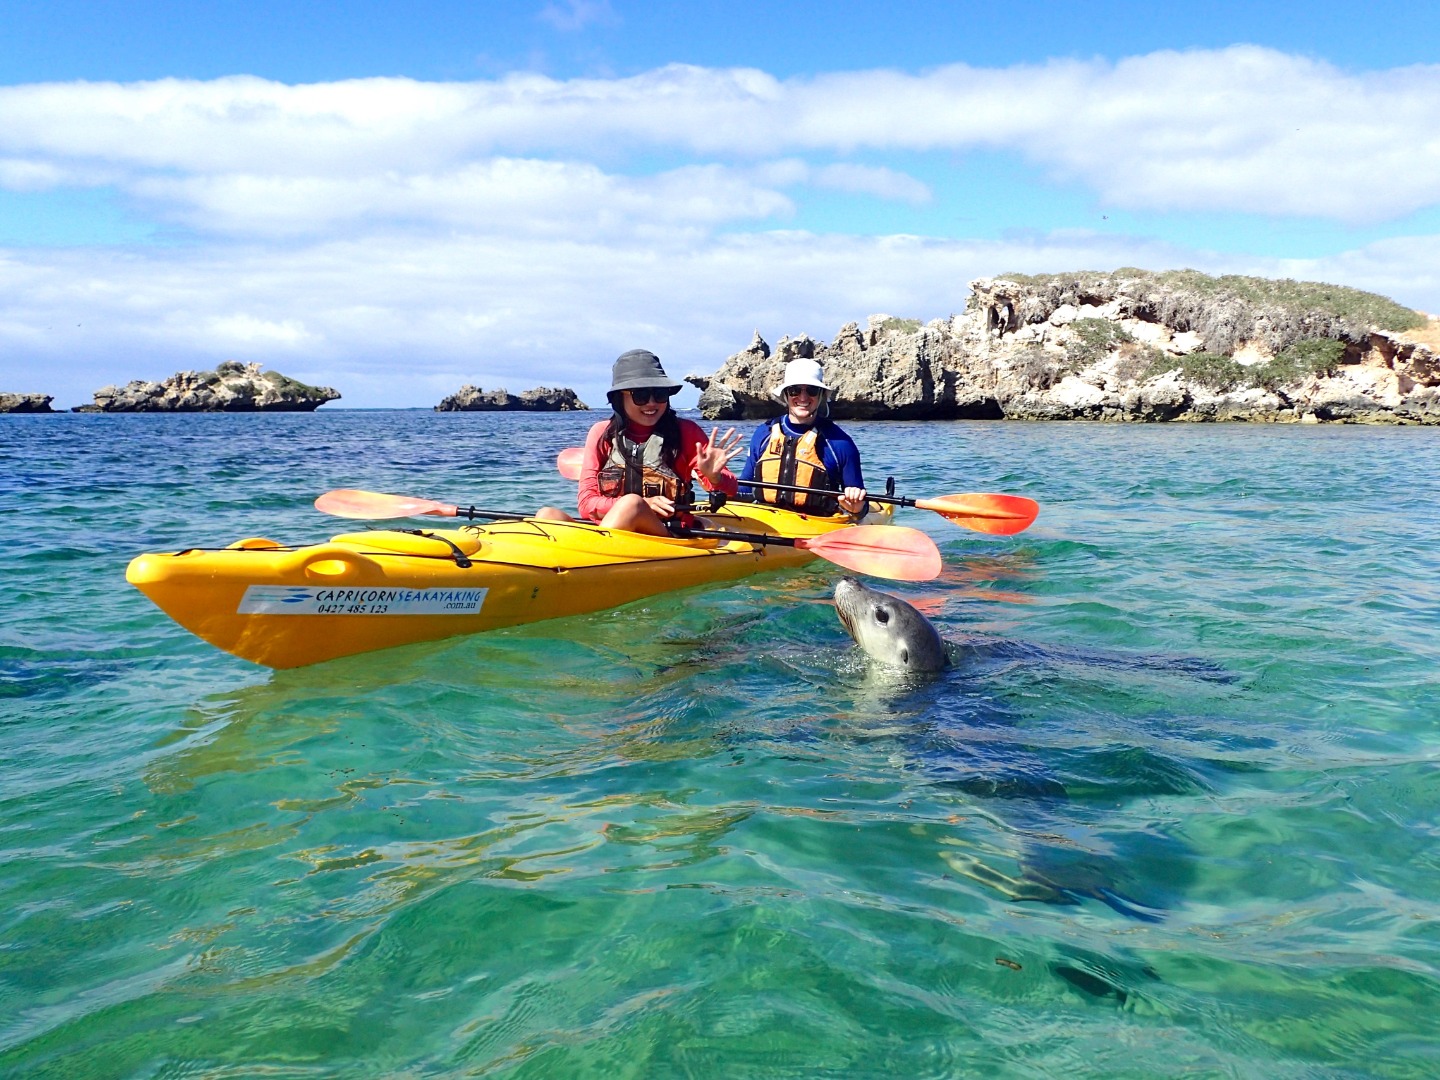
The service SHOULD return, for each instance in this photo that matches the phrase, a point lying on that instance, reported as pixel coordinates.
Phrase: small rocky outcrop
(26, 403)
(541, 399)
(231, 387)
(1127, 346)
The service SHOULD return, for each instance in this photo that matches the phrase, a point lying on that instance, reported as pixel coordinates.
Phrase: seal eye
(882, 616)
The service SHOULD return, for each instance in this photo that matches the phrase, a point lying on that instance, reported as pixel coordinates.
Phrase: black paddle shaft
(473, 512)
(676, 531)
(888, 497)
(681, 533)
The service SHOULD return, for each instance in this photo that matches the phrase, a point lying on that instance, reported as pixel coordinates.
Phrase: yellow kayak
(286, 607)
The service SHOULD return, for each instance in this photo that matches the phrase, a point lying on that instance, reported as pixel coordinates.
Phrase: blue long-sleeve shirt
(837, 450)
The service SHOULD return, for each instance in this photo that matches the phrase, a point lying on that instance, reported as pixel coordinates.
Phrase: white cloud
(229, 332)
(22, 175)
(881, 182)
(502, 195)
(1240, 129)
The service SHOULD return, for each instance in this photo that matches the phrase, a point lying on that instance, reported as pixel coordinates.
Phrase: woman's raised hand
(717, 454)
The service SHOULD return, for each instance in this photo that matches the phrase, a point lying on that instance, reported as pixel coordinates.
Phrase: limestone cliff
(1125, 346)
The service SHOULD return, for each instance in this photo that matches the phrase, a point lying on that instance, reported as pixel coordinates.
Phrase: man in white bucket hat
(805, 448)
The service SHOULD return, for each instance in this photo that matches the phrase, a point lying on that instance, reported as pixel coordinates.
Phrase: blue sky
(397, 199)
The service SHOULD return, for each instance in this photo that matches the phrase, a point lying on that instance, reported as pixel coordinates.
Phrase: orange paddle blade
(888, 551)
(372, 505)
(569, 462)
(1000, 515)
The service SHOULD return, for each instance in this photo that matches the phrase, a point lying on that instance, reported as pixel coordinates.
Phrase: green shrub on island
(899, 326)
(1230, 310)
(1094, 338)
(283, 384)
(1137, 362)
(1313, 356)
(1215, 370)
(1036, 368)
(1299, 297)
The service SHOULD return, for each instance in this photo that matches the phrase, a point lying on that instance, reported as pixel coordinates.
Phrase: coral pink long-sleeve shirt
(693, 440)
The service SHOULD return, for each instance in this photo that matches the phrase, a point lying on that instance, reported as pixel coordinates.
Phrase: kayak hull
(285, 607)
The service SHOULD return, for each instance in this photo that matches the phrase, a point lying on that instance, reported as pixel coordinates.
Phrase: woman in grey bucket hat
(641, 462)
(639, 369)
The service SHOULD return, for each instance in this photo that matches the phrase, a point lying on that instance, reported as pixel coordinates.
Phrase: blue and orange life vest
(798, 460)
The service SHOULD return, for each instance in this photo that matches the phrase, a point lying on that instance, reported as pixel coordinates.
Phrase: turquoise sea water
(1173, 811)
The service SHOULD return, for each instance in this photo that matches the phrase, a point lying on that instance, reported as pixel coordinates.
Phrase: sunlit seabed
(1172, 810)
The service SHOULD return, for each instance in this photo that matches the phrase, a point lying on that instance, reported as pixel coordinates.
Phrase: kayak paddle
(999, 515)
(569, 462)
(987, 512)
(888, 551)
(374, 506)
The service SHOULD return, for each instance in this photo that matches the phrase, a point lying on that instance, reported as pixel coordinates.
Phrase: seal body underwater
(1044, 848)
(888, 629)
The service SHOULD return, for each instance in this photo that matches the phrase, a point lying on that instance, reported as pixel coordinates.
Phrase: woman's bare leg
(633, 513)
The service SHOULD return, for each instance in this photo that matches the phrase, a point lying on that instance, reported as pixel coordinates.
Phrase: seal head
(888, 629)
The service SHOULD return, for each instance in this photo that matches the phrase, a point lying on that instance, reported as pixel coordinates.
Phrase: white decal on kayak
(327, 600)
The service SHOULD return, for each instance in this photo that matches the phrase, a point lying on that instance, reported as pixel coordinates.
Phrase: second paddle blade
(373, 505)
(568, 462)
(999, 515)
(888, 551)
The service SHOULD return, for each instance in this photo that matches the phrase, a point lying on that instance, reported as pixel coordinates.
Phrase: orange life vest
(797, 460)
(643, 469)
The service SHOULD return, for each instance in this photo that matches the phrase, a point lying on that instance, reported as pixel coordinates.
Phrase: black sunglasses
(808, 391)
(645, 397)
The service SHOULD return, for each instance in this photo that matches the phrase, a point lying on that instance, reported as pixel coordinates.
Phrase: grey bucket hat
(640, 369)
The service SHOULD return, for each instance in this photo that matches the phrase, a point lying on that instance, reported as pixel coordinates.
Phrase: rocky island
(26, 403)
(1131, 345)
(231, 387)
(541, 399)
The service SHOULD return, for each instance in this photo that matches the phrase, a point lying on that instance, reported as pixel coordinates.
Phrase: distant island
(1131, 345)
(236, 387)
(26, 403)
(231, 387)
(541, 399)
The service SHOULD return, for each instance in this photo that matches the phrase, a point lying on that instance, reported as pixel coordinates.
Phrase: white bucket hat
(799, 373)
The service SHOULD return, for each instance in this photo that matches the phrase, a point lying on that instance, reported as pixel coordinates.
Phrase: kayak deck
(360, 591)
